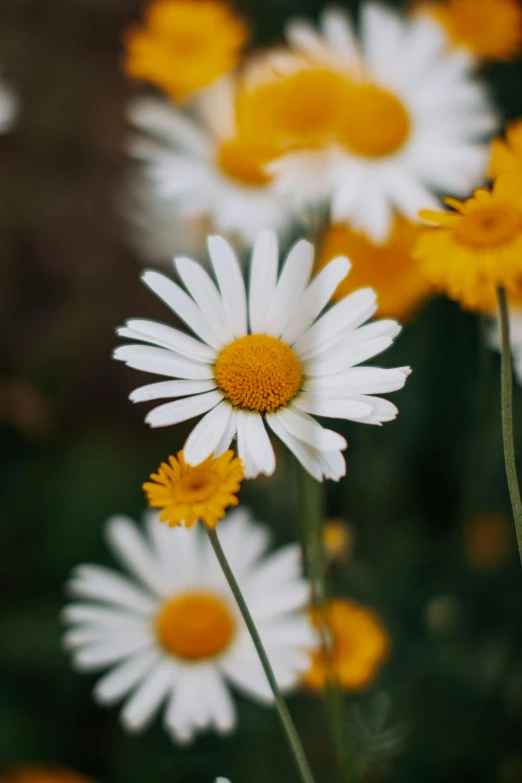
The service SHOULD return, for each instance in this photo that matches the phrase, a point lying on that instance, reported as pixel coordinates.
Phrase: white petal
(248, 677)
(303, 427)
(167, 337)
(165, 389)
(306, 456)
(206, 296)
(337, 360)
(104, 584)
(290, 287)
(168, 123)
(263, 278)
(134, 552)
(324, 405)
(230, 433)
(315, 298)
(107, 652)
(182, 410)
(243, 444)
(184, 307)
(344, 316)
(125, 676)
(361, 380)
(160, 361)
(146, 701)
(231, 285)
(207, 434)
(259, 445)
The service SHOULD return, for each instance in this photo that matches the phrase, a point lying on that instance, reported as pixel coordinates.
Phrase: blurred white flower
(266, 358)
(172, 634)
(379, 124)
(199, 168)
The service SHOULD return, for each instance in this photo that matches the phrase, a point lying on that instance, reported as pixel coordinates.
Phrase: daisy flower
(171, 634)
(183, 46)
(486, 29)
(380, 124)
(506, 153)
(477, 248)
(203, 167)
(188, 494)
(269, 358)
(388, 268)
(359, 646)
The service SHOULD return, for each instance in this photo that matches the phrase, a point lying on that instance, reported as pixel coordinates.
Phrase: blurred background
(430, 542)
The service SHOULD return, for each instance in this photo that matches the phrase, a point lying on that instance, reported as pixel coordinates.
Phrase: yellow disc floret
(186, 494)
(359, 646)
(389, 268)
(259, 373)
(244, 160)
(195, 625)
(490, 29)
(476, 249)
(184, 45)
(377, 122)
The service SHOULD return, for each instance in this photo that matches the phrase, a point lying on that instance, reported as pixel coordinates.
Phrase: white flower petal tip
(114, 625)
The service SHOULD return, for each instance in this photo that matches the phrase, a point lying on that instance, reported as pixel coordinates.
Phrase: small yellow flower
(388, 268)
(489, 540)
(338, 539)
(37, 774)
(203, 492)
(183, 45)
(360, 645)
(489, 29)
(506, 154)
(477, 248)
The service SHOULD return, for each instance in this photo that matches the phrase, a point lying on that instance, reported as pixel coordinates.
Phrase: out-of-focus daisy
(183, 46)
(172, 635)
(388, 268)
(188, 494)
(515, 337)
(42, 774)
(359, 646)
(506, 153)
(203, 166)
(487, 29)
(381, 124)
(476, 248)
(267, 359)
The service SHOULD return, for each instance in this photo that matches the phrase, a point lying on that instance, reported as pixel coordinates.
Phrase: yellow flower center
(258, 372)
(244, 161)
(491, 29)
(489, 226)
(377, 123)
(195, 625)
(305, 109)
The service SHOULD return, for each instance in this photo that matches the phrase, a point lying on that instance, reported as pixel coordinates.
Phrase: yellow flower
(36, 774)
(184, 45)
(203, 492)
(489, 540)
(506, 154)
(477, 248)
(338, 539)
(388, 268)
(360, 644)
(489, 29)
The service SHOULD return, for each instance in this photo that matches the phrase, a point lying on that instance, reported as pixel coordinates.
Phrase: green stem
(507, 417)
(311, 494)
(284, 714)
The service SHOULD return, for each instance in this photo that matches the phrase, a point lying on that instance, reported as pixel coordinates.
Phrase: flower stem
(507, 417)
(284, 714)
(311, 495)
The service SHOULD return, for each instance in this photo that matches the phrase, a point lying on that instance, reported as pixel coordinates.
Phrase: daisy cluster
(343, 133)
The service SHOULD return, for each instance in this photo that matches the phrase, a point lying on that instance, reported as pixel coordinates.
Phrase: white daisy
(409, 120)
(515, 338)
(269, 358)
(200, 168)
(172, 634)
